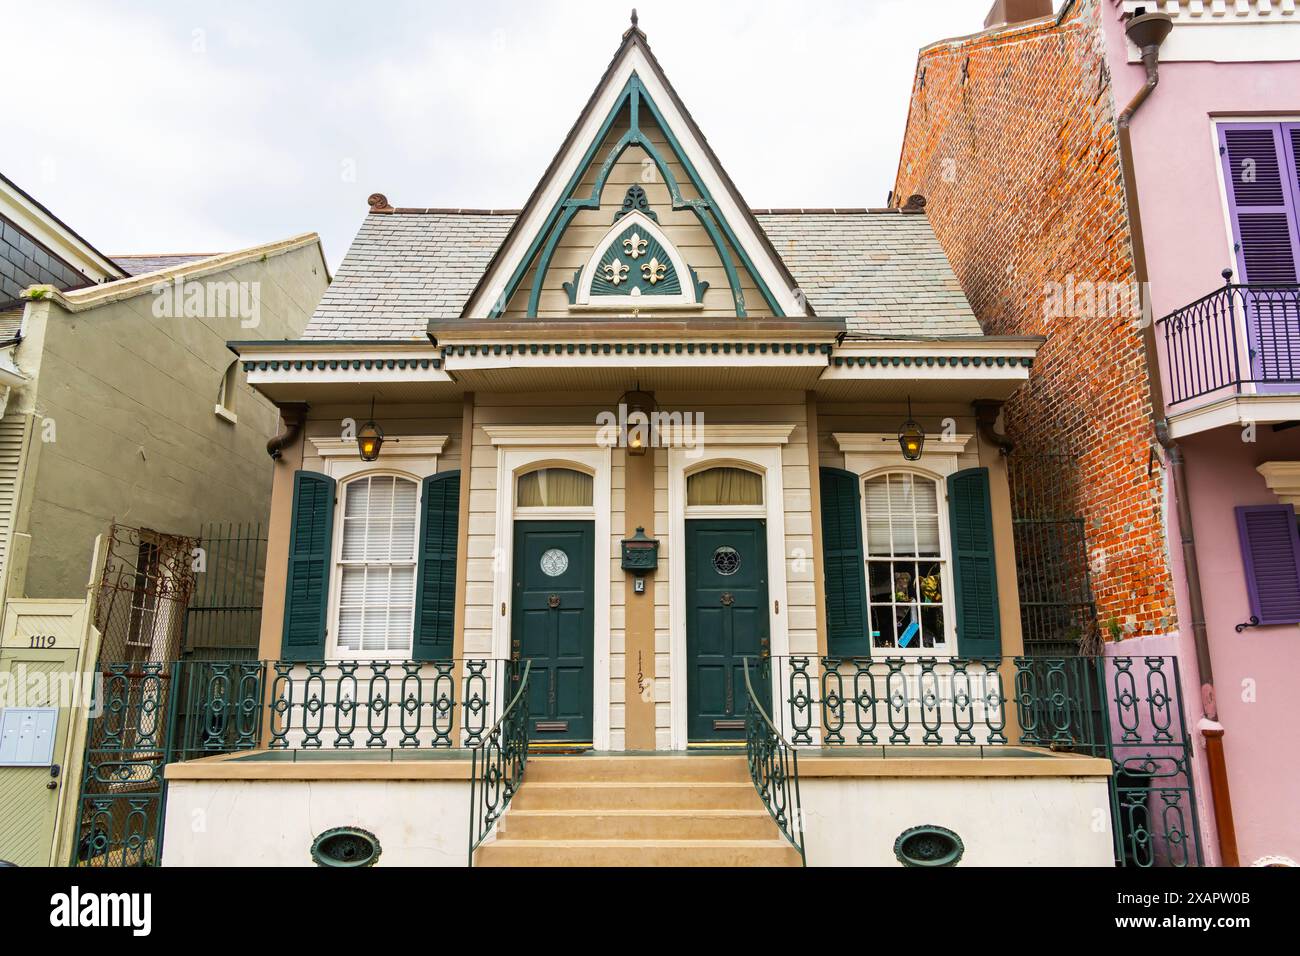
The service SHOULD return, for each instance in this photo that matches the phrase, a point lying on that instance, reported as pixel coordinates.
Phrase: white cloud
(205, 126)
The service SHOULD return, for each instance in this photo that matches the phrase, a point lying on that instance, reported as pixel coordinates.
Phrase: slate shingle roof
(139, 265)
(884, 272)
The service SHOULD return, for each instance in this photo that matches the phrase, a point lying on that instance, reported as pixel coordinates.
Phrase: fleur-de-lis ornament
(653, 271)
(634, 245)
(615, 272)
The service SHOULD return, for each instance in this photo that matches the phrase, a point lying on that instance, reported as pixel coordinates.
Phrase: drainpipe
(1147, 31)
(293, 413)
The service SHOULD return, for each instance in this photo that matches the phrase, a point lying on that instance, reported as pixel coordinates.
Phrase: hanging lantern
(370, 437)
(637, 435)
(911, 436)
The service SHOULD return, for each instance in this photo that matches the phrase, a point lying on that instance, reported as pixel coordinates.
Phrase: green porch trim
(930, 361)
(561, 215)
(332, 365)
(644, 348)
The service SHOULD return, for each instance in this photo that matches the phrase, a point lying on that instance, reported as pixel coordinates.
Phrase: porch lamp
(370, 437)
(911, 436)
(643, 402)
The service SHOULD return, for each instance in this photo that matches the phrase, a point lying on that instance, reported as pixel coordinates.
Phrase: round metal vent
(928, 846)
(345, 846)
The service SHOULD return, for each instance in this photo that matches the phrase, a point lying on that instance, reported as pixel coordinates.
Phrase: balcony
(1233, 357)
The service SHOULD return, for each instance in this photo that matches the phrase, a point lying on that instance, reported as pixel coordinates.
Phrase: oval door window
(726, 560)
(345, 847)
(554, 562)
(928, 846)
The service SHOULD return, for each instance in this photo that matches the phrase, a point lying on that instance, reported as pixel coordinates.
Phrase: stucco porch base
(1027, 808)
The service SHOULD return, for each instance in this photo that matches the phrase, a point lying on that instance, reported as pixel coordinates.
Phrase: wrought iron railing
(1127, 709)
(497, 765)
(384, 704)
(773, 766)
(1237, 336)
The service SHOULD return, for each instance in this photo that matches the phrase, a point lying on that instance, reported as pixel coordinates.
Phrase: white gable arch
(649, 227)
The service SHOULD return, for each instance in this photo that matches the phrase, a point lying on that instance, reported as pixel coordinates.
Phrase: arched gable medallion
(632, 261)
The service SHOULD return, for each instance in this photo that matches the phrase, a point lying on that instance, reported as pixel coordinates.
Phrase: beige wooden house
(643, 440)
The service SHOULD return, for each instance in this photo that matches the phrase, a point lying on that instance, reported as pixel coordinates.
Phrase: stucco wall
(128, 399)
(1011, 821)
(273, 823)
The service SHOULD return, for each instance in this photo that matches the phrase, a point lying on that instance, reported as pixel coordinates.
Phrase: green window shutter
(435, 579)
(974, 564)
(306, 596)
(843, 565)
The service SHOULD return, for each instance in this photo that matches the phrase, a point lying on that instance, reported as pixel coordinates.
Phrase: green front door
(554, 578)
(726, 622)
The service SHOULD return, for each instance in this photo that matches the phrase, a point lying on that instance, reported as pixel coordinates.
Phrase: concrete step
(509, 852)
(694, 795)
(637, 769)
(714, 825)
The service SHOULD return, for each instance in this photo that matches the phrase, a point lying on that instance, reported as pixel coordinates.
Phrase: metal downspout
(1209, 725)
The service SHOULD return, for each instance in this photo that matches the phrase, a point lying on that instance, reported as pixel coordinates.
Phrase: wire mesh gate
(1057, 612)
(225, 616)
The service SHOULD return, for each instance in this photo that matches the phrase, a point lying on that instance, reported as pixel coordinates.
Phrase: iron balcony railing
(231, 705)
(1127, 709)
(1239, 339)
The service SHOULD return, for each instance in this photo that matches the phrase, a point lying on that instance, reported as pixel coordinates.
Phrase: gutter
(1147, 32)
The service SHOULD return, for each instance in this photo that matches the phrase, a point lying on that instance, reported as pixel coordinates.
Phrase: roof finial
(634, 18)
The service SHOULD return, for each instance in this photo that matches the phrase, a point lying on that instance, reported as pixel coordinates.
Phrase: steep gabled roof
(883, 271)
(634, 81)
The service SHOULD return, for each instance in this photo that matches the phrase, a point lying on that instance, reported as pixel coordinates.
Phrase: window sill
(225, 414)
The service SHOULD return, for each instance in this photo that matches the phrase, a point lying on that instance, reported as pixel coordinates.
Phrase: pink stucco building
(1213, 183)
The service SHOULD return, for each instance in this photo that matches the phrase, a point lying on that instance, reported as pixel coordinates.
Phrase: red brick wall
(1011, 138)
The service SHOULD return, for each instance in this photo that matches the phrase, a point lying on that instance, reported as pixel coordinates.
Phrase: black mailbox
(640, 554)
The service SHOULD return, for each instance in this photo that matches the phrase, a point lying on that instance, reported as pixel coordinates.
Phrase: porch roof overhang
(321, 371)
(654, 354)
(620, 352)
(960, 368)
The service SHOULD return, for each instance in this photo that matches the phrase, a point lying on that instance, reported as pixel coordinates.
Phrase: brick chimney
(1005, 12)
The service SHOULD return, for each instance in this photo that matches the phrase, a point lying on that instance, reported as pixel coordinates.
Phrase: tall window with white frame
(377, 560)
(905, 562)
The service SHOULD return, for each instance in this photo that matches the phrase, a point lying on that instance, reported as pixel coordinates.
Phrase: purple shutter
(1259, 165)
(1270, 553)
(1262, 202)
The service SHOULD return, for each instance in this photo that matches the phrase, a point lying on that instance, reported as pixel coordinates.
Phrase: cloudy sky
(203, 127)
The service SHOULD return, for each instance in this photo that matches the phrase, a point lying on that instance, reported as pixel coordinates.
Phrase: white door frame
(758, 449)
(522, 448)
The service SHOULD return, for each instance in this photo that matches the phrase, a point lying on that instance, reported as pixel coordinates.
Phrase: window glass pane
(554, 488)
(906, 594)
(724, 486)
(377, 585)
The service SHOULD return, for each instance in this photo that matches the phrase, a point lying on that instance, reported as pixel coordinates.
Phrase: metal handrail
(503, 754)
(774, 770)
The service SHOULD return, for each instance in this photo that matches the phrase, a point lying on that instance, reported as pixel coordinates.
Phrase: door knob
(728, 599)
(553, 601)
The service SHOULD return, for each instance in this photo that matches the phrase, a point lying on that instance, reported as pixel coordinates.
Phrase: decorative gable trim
(636, 80)
(635, 254)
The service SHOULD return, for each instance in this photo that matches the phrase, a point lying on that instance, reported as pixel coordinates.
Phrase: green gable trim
(558, 219)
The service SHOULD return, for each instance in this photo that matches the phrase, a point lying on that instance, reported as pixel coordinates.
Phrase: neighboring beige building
(119, 403)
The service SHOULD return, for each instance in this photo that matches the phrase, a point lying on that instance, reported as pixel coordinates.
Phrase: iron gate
(225, 616)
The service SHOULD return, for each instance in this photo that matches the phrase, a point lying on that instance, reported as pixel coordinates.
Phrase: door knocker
(553, 601)
(728, 599)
